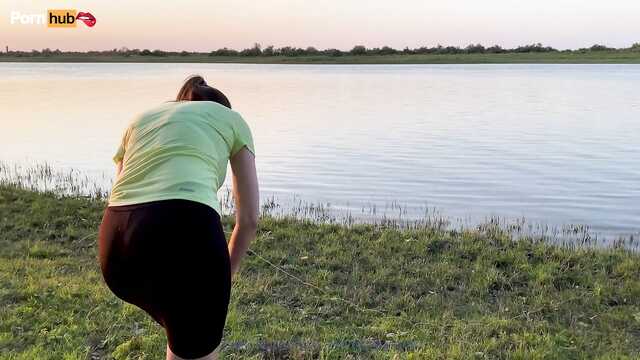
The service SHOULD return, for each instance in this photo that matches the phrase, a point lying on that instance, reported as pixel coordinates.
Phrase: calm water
(557, 144)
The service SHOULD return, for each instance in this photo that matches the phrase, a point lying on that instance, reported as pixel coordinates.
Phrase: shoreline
(45, 178)
(600, 57)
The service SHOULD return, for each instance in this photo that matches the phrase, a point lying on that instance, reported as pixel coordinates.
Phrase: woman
(161, 243)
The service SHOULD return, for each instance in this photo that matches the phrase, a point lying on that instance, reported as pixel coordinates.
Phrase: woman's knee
(211, 356)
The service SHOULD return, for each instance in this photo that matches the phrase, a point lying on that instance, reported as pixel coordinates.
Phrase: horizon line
(358, 47)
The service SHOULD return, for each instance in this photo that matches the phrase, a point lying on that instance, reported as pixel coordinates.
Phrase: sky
(199, 25)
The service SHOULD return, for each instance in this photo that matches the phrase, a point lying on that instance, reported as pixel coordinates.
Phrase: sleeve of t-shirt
(119, 156)
(242, 137)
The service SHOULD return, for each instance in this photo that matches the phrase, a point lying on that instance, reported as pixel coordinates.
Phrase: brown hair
(196, 89)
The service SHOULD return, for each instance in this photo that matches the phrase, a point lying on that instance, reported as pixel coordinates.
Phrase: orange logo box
(65, 18)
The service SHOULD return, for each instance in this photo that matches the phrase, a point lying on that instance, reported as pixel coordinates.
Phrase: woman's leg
(212, 356)
(193, 283)
(170, 258)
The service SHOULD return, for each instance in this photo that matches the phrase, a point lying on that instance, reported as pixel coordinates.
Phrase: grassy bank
(418, 294)
(588, 57)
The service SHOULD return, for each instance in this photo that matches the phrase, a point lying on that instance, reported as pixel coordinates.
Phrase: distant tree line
(358, 50)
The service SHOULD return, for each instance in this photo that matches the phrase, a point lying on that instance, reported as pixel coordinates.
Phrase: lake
(555, 144)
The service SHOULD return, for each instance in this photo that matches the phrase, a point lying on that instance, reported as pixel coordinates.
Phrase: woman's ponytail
(195, 88)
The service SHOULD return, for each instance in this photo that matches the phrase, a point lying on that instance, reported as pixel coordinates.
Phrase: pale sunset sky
(206, 25)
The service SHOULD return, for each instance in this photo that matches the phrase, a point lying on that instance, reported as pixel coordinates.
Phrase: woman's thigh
(171, 260)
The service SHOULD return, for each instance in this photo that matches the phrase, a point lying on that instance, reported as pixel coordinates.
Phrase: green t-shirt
(178, 150)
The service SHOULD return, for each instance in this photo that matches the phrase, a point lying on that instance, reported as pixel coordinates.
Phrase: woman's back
(178, 150)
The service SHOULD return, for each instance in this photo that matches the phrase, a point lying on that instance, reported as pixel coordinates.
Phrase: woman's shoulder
(212, 107)
(150, 114)
(208, 110)
(216, 112)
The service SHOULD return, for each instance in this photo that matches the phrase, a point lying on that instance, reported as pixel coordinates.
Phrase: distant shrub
(534, 48)
(495, 49)
(385, 50)
(475, 49)
(224, 52)
(448, 50)
(358, 50)
(256, 50)
(408, 51)
(333, 52)
(311, 51)
(268, 51)
(598, 47)
(289, 51)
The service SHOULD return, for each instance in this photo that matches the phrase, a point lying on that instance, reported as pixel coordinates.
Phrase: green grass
(420, 294)
(575, 57)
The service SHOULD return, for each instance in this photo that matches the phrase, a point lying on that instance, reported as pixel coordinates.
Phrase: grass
(419, 294)
(575, 57)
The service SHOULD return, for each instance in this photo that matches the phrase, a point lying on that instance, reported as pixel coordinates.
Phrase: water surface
(557, 144)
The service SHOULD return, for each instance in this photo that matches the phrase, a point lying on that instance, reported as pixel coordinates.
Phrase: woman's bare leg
(212, 356)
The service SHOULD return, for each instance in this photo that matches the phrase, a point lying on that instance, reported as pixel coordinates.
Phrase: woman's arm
(247, 202)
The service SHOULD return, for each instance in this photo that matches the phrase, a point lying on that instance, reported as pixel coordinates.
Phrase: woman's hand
(247, 204)
(235, 265)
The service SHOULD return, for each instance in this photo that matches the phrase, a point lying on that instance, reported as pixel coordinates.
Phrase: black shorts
(170, 258)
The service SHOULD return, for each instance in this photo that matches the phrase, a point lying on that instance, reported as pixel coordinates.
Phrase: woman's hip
(173, 244)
